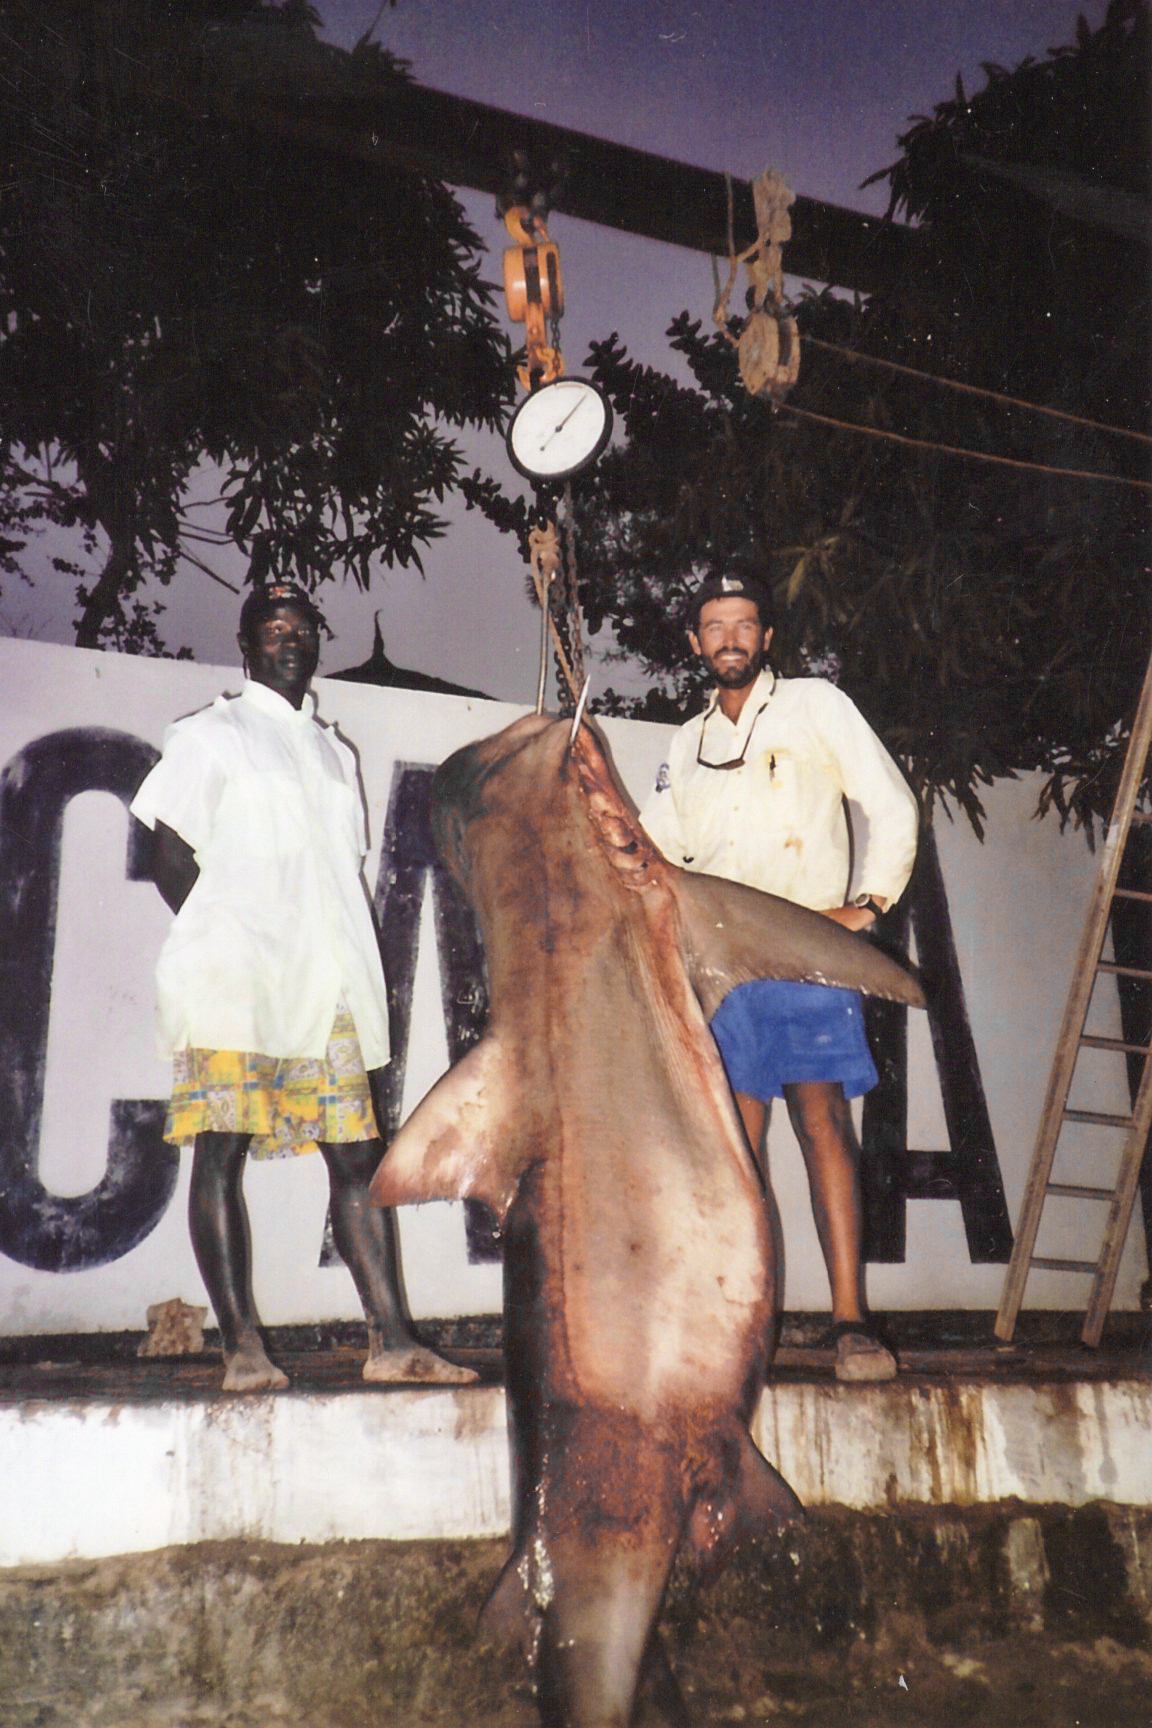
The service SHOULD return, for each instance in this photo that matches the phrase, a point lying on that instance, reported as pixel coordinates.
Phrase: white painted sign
(92, 1232)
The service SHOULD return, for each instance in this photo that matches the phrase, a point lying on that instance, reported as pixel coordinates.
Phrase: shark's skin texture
(640, 1265)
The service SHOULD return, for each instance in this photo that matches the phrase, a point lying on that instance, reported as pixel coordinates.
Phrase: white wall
(1017, 905)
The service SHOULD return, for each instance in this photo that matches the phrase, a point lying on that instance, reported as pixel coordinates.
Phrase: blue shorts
(772, 1033)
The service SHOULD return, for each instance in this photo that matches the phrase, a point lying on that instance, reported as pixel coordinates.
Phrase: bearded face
(731, 641)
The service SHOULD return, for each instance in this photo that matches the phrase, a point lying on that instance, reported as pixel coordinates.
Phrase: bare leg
(366, 1237)
(822, 1121)
(754, 1116)
(218, 1222)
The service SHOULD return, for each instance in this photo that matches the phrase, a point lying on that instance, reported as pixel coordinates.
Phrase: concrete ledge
(97, 1477)
(961, 1442)
(100, 1478)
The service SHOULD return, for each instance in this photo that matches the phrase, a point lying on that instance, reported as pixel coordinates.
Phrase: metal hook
(579, 715)
(545, 602)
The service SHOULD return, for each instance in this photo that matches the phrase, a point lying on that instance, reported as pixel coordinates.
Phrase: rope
(973, 455)
(768, 347)
(854, 354)
(750, 371)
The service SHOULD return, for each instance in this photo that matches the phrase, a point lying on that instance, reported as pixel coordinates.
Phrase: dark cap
(265, 598)
(729, 588)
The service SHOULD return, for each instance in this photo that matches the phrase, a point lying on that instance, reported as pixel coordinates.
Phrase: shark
(641, 1265)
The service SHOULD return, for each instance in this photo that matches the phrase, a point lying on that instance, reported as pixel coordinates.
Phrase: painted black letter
(39, 1229)
(969, 1171)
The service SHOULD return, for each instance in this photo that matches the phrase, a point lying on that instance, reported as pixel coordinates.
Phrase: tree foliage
(181, 284)
(988, 619)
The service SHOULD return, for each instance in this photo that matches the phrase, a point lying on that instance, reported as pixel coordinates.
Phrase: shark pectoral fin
(458, 1143)
(733, 934)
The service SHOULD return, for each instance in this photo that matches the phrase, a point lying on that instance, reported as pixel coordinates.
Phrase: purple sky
(818, 89)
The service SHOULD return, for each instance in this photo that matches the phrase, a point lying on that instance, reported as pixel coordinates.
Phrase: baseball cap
(729, 588)
(266, 596)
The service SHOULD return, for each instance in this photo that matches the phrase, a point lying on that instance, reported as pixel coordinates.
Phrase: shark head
(542, 790)
(538, 770)
(485, 780)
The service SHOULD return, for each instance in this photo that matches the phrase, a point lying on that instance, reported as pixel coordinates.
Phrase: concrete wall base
(107, 1475)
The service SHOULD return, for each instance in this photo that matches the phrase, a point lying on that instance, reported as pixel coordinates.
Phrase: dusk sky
(820, 91)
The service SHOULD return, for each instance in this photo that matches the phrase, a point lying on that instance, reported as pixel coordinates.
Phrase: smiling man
(271, 994)
(754, 790)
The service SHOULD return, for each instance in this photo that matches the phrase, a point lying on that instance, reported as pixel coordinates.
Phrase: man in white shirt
(754, 790)
(271, 994)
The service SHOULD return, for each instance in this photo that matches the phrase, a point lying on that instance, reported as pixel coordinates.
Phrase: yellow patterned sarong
(287, 1104)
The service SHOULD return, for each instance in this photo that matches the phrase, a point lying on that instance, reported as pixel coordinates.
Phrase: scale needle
(560, 425)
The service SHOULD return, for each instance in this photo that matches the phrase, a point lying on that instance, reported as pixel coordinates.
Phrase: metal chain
(574, 614)
(554, 576)
(543, 563)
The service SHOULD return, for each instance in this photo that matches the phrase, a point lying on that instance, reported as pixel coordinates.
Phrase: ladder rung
(1077, 1191)
(1106, 899)
(1124, 971)
(1100, 1117)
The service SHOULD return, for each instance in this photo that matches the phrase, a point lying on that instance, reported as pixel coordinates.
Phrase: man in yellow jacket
(754, 790)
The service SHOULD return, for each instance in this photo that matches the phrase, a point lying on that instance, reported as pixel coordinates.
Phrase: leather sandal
(860, 1356)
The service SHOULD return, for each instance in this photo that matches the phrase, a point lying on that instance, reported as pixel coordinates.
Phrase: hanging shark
(640, 1272)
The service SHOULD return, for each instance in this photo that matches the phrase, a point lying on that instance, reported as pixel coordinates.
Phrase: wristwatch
(867, 904)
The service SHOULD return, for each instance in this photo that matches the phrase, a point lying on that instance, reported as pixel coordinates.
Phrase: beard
(739, 674)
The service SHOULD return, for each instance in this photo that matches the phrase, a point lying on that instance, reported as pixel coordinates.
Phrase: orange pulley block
(534, 291)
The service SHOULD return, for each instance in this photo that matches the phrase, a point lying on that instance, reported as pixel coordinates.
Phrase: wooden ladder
(1072, 1040)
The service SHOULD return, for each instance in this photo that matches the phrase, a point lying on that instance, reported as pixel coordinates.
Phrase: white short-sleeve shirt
(778, 823)
(278, 927)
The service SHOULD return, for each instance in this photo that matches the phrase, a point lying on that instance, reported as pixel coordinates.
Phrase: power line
(973, 455)
(974, 390)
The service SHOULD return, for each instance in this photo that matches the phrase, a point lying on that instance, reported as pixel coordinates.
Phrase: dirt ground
(997, 1616)
(1018, 1682)
(1009, 1617)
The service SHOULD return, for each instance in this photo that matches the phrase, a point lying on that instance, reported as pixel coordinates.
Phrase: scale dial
(559, 429)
